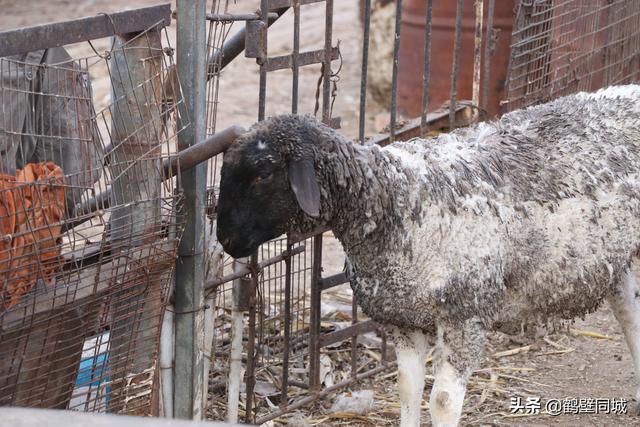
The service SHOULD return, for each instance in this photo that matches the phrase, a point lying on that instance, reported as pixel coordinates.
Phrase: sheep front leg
(411, 351)
(625, 302)
(456, 355)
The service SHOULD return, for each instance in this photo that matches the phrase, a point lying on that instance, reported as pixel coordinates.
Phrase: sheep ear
(302, 177)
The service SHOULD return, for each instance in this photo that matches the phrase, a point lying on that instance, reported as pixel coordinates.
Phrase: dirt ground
(588, 360)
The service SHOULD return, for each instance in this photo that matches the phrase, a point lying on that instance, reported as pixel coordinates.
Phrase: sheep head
(268, 178)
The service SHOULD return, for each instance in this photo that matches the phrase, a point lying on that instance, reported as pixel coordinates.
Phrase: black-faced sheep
(532, 217)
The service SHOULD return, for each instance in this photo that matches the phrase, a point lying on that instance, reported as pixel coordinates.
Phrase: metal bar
(489, 48)
(287, 326)
(304, 58)
(477, 57)
(326, 77)
(275, 4)
(321, 394)
(202, 151)
(235, 354)
(348, 332)
(314, 327)
(189, 290)
(332, 281)
(262, 91)
(79, 30)
(435, 120)
(251, 353)
(394, 77)
(365, 68)
(229, 17)
(456, 61)
(234, 46)
(383, 348)
(186, 159)
(426, 74)
(213, 283)
(295, 65)
(354, 338)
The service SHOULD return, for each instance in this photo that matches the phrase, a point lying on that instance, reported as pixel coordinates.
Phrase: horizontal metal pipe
(57, 34)
(188, 158)
(234, 46)
(332, 281)
(213, 283)
(228, 17)
(196, 154)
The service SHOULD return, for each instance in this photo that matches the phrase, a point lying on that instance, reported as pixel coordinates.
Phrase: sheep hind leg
(411, 352)
(457, 354)
(625, 302)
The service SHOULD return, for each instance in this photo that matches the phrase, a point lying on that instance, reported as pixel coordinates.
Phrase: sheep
(534, 217)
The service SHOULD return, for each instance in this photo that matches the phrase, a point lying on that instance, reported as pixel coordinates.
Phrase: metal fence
(91, 217)
(288, 342)
(562, 47)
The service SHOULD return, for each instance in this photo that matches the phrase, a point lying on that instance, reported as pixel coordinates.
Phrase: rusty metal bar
(354, 338)
(262, 91)
(189, 289)
(348, 332)
(314, 327)
(456, 60)
(435, 120)
(234, 46)
(383, 348)
(328, 53)
(287, 325)
(251, 344)
(229, 17)
(188, 158)
(489, 48)
(275, 4)
(477, 57)
(78, 30)
(394, 77)
(304, 58)
(365, 68)
(198, 153)
(333, 281)
(213, 283)
(295, 63)
(426, 69)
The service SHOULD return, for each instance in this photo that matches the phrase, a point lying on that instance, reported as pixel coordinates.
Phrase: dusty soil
(562, 365)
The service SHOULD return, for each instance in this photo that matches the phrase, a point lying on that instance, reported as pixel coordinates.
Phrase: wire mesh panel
(561, 47)
(90, 221)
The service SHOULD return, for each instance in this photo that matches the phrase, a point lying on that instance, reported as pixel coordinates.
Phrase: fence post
(189, 294)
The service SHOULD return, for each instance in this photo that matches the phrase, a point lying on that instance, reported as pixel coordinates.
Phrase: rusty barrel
(411, 60)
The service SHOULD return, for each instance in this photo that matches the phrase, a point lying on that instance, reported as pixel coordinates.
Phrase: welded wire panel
(561, 47)
(89, 224)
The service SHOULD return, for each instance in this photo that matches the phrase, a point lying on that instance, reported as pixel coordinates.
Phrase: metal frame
(79, 30)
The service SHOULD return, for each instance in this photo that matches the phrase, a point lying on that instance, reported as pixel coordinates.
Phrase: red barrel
(443, 31)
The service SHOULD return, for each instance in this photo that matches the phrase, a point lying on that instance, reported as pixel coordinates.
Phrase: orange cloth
(31, 215)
